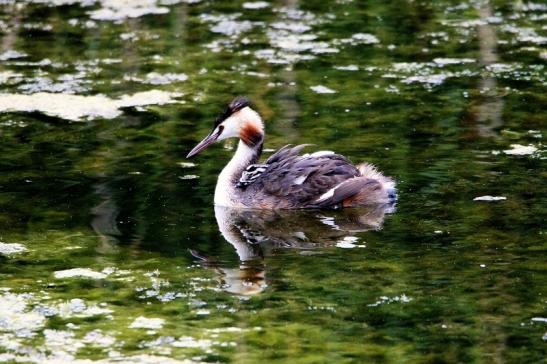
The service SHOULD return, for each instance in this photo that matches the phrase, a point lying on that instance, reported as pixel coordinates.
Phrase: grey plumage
(290, 180)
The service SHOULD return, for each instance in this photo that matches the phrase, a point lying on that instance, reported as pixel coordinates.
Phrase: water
(111, 250)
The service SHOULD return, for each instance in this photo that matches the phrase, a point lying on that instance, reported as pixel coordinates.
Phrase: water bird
(288, 179)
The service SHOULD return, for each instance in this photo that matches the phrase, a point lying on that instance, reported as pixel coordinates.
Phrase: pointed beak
(210, 139)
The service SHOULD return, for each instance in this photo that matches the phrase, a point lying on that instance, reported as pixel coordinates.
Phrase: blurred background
(101, 100)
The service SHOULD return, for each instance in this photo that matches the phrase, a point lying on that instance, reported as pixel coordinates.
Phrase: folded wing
(288, 180)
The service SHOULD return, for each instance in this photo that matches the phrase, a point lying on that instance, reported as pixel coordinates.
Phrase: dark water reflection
(257, 234)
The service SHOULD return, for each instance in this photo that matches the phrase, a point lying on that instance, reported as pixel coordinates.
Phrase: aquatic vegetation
(517, 149)
(82, 107)
(11, 248)
(254, 5)
(147, 323)
(322, 89)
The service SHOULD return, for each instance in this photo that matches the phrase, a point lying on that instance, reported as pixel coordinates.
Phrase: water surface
(111, 249)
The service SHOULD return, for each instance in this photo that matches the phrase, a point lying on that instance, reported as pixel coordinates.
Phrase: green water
(449, 98)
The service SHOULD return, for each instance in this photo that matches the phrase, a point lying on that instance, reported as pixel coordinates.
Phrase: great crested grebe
(287, 180)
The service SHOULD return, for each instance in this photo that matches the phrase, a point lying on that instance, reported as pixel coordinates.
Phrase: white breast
(225, 192)
(224, 195)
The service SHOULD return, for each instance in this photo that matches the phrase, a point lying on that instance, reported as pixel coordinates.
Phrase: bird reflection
(257, 234)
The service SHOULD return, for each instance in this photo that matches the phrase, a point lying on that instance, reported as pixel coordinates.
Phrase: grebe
(287, 180)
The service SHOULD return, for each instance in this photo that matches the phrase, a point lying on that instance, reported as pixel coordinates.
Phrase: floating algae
(80, 108)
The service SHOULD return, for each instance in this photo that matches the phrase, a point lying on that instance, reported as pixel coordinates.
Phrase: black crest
(237, 104)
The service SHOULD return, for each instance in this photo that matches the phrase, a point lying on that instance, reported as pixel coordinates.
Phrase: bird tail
(369, 188)
(388, 184)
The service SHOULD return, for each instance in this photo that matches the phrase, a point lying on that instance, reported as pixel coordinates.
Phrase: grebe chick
(288, 180)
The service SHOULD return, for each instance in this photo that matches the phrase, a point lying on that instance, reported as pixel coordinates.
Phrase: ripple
(350, 67)
(189, 176)
(450, 61)
(490, 198)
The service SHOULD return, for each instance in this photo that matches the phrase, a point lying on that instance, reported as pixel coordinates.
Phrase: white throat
(225, 192)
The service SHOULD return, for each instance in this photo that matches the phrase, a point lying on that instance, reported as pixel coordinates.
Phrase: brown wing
(291, 180)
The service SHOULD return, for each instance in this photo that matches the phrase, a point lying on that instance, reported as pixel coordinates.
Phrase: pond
(111, 249)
